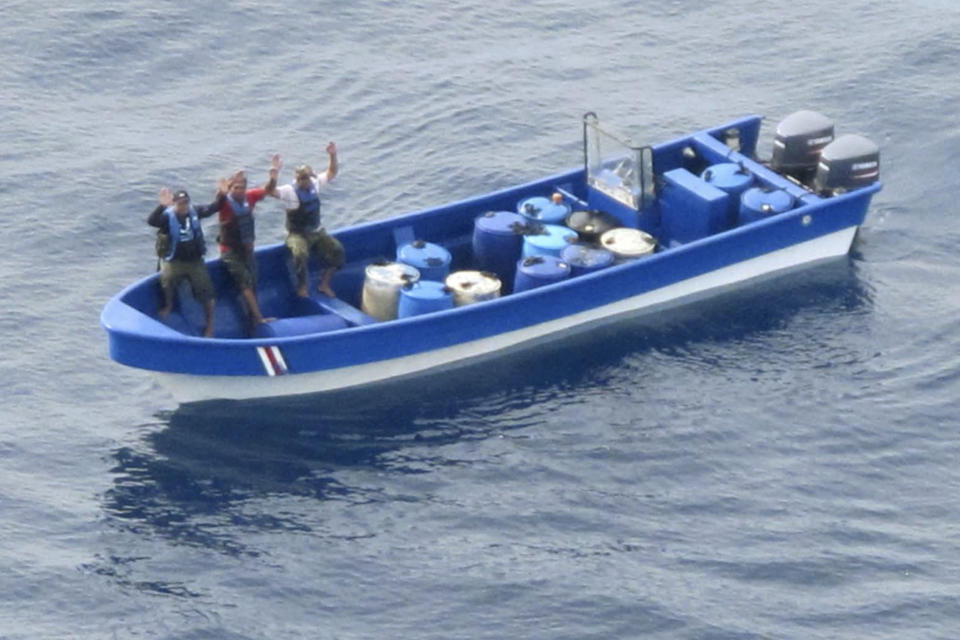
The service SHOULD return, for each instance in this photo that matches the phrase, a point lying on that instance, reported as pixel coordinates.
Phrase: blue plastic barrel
(760, 202)
(548, 240)
(536, 271)
(584, 258)
(300, 325)
(497, 242)
(733, 179)
(543, 210)
(431, 260)
(424, 296)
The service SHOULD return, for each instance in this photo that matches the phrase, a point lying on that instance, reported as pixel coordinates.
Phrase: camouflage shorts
(317, 243)
(243, 269)
(195, 271)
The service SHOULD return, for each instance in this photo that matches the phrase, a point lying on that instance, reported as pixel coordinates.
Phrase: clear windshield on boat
(615, 166)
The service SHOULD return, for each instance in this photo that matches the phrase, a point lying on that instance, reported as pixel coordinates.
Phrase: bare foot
(326, 290)
(255, 323)
(163, 312)
(302, 291)
(208, 332)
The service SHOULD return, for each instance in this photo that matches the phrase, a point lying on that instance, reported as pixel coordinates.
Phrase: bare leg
(168, 286)
(302, 281)
(324, 285)
(250, 297)
(208, 308)
(167, 307)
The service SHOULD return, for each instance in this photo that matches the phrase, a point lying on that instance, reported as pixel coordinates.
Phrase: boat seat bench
(716, 151)
(353, 316)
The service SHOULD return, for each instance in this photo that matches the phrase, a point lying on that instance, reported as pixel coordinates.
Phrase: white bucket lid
(391, 274)
(625, 242)
(476, 284)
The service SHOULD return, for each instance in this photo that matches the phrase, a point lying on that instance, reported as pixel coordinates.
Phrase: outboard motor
(847, 163)
(800, 138)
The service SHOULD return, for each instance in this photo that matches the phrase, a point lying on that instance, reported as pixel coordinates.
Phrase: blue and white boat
(634, 229)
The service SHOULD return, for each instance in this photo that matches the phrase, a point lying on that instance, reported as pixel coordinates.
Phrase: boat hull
(192, 388)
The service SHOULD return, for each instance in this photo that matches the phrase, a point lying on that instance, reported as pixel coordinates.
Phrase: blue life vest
(243, 215)
(305, 217)
(191, 232)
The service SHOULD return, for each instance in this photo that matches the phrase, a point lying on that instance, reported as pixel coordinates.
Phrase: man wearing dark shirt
(183, 258)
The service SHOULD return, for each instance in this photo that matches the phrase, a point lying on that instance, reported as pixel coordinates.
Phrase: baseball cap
(180, 194)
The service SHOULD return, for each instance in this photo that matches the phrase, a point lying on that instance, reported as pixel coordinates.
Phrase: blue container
(690, 208)
(424, 296)
(543, 210)
(497, 242)
(548, 240)
(431, 260)
(760, 202)
(536, 271)
(733, 179)
(584, 258)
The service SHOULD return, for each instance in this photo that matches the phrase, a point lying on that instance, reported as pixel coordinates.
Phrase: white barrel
(628, 244)
(473, 286)
(381, 288)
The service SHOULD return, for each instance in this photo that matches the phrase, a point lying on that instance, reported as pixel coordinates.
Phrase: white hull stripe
(272, 359)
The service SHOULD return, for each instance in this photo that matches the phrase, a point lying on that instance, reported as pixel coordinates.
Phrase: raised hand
(166, 199)
(331, 148)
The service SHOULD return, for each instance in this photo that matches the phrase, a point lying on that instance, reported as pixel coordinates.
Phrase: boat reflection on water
(192, 478)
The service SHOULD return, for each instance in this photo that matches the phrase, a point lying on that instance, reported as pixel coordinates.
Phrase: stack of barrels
(542, 242)
(545, 241)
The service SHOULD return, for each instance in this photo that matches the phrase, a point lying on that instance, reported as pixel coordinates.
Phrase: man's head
(304, 173)
(181, 201)
(238, 185)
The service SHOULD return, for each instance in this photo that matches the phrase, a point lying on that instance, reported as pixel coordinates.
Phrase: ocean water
(778, 462)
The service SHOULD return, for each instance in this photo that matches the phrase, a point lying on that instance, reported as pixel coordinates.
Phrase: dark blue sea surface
(776, 462)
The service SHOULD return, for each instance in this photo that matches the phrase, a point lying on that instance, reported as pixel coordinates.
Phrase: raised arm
(156, 217)
(333, 167)
(207, 210)
(275, 165)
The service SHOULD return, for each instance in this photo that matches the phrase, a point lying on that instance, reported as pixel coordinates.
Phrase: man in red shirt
(237, 235)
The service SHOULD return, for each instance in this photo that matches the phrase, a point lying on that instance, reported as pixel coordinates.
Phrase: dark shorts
(243, 269)
(172, 273)
(318, 243)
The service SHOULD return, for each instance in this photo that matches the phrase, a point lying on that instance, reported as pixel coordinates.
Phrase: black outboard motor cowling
(800, 138)
(847, 163)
